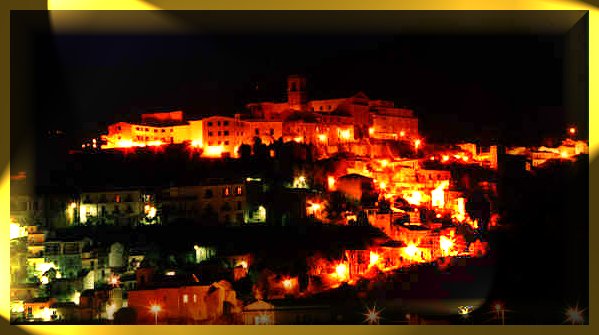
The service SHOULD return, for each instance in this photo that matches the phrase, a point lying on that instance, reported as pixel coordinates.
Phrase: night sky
(492, 88)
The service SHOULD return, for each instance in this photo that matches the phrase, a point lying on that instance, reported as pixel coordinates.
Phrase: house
(286, 312)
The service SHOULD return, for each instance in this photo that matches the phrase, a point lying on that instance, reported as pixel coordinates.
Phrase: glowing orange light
(564, 154)
(446, 244)
(445, 158)
(432, 158)
(415, 198)
(322, 137)
(411, 251)
(342, 272)
(331, 183)
(384, 163)
(371, 130)
(213, 151)
(417, 144)
(298, 139)
(465, 158)
(374, 258)
(438, 195)
(383, 185)
(402, 133)
(114, 280)
(345, 134)
(572, 130)
(287, 284)
(196, 143)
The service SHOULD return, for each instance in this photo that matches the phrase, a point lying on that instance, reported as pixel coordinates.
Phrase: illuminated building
(193, 302)
(286, 312)
(39, 309)
(383, 117)
(66, 254)
(117, 207)
(355, 186)
(214, 201)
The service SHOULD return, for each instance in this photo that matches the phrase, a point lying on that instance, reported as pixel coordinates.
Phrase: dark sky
(484, 87)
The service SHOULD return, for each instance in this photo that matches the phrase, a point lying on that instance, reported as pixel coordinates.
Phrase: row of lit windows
(218, 123)
(148, 130)
(210, 143)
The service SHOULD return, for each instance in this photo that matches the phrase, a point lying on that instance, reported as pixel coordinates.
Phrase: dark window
(226, 123)
(219, 133)
(163, 130)
(209, 124)
(238, 205)
(155, 130)
(257, 131)
(209, 134)
(119, 127)
(218, 123)
(226, 133)
(226, 142)
(208, 194)
(272, 132)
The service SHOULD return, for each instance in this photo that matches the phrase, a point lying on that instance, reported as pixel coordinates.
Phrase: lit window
(185, 298)
(117, 198)
(238, 190)
(227, 191)
(195, 298)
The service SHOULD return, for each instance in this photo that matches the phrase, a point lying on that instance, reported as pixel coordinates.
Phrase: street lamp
(155, 309)
(574, 315)
(499, 309)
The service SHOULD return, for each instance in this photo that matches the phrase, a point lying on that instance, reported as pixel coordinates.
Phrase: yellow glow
(322, 137)
(298, 139)
(417, 144)
(438, 195)
(214, 151)
(331, 183)
(100, 4)
(374, 258)
(402, 133)
(44, 280)
(371, 130)
(572, 130)
(461, 210)
(411, 251)
(243, 264)
(342, 272)
(445, 158)
(287, 284)
(345, 134)
(446, 244)
(16, 231)
(196, 143)
(415, 198)
(155, 308)
(383, 185)
(384, 163)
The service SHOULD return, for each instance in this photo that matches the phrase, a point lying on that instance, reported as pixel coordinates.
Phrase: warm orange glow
(415, 198)
(402, 133)
(384, 163)
(288, 284)
(196, 143)
(155, 308)
(322, 137)
(461, 210)
(411, 252)
(114, 280)
(383, 185)
(298, 139)
(342, 272)
(572, 130)
(438, 195)
(215, 151)
(331, 183)
(374, 259)
(564, 154)
(446, 244)
(417, 144)
(345, 134)
(445, 158)
(371, 130)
